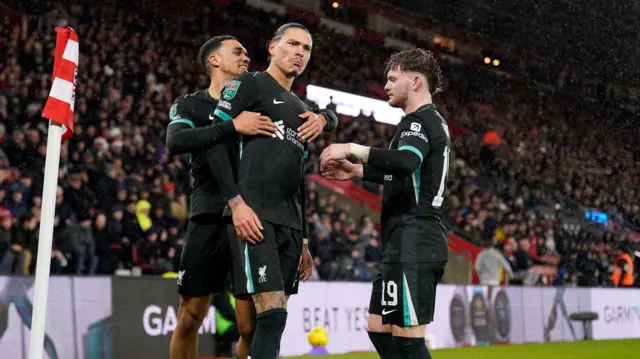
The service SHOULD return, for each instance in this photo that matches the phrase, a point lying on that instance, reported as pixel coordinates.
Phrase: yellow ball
(318, 337)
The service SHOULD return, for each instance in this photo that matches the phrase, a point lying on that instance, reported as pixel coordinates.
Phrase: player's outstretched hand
(341, 170)
(247, 224)
(312, 127)
(252, 123)
(335, 152)
(306, 269)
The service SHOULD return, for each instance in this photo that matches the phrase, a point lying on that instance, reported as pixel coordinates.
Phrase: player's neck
(283, 79)
(415, 102)
(218, 81)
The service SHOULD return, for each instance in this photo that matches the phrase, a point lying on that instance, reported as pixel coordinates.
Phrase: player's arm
(332, 119)
(303, 205)
(183, 137)
(413, 147)
(303, 199)
(316, 121)
(372, 174)
(219, 161)
(306, 268)
(343, 170)
(238, 95)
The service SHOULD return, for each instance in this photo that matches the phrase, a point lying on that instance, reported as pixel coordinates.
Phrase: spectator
(373, 254)
(116, 166)
(26, 237)
(130, 227)
(491, 264)
(152, 251)
(77, 196)
(8, 255)
(105, 240)
(63, 209)
(17, 205)
(78, 244)
(143, 208)
(323, 256)
(523, 262)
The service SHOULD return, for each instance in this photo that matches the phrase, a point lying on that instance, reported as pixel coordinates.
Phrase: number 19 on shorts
(389, 293)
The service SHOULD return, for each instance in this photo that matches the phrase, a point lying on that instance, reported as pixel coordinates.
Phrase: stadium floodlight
(352, 105)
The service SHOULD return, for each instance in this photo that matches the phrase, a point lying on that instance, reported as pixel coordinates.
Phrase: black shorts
(270, 265)
(404, 294)
(205, 264)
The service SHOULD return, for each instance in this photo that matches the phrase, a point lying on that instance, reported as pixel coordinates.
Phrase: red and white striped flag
(59, 107)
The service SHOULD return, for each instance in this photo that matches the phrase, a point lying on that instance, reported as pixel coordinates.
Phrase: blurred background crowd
(535, 146)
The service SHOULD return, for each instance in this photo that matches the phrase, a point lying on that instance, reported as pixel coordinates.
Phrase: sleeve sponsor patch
(414, 134)
(224, 104)
(173, 113)
(231, 89)
(415, 126)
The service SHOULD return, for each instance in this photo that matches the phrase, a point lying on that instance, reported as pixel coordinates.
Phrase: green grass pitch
(601, 349)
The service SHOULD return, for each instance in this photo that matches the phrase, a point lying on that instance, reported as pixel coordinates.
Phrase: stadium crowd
(122, 200)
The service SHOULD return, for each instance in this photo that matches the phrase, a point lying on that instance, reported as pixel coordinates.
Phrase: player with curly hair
(414, 173)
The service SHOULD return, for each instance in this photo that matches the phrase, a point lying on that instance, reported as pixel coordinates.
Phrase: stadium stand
(534, 149)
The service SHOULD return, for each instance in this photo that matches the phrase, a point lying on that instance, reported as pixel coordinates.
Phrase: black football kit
(414, 242)
(268, 173)
(269, 176)
(205, 263)
(206, 260)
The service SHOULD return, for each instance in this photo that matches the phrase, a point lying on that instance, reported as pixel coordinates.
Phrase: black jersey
(411, 229)
(196, 110)
(269, 170)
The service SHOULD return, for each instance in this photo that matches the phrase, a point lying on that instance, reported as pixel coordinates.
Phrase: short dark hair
(211, 45)
(282, 29)
(26, 217)
(421, 61)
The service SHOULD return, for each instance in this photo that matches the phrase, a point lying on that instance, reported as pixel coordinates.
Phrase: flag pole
(59, 111)
(45, 241)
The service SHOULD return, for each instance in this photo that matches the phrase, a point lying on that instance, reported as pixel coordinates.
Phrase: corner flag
(59, 107)
(59, 110)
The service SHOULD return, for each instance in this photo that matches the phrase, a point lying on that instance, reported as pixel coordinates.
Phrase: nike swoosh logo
(211, 117)
(276, 102)
(384, 312)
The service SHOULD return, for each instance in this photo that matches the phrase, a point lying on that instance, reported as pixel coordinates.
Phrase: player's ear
(419, 83)
(214, 61)
(271, 46)
(416, 83)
